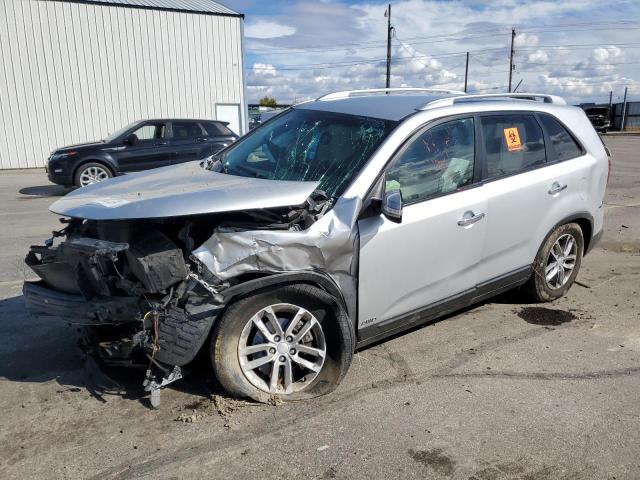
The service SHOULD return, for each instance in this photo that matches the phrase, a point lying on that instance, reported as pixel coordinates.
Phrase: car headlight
(60, 156)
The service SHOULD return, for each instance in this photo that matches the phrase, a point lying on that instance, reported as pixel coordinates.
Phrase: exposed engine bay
(138, 290)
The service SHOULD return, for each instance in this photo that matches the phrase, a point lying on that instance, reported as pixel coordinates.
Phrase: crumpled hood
(185, 189)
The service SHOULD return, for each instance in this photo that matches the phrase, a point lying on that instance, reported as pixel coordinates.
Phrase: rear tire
(557, 264)
(90, 173)
(281, 364)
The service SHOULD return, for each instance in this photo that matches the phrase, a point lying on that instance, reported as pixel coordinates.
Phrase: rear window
(513, 144)
(563, 146)
(216, 129)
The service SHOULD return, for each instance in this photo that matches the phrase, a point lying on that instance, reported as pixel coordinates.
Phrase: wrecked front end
(132, 287)
(146, 292)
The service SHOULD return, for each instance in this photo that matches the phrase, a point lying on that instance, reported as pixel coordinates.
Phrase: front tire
(292, 342)
(557, 264)
(90, 173)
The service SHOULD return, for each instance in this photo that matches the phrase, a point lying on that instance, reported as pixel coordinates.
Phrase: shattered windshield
(307, 145)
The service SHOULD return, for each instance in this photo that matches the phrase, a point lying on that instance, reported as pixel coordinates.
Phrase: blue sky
(580, 49)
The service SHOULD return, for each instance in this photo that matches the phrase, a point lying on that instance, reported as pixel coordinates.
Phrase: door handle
(201, 140)
(162, 143)
(466, 221)
(556, 188)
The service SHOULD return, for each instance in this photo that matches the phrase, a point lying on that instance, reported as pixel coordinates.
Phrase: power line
(603, 84)
(589, 66)
(526, 70)
(311, 66)
(456, 36)
(413, 54)
(579, 45)
(364, 46)
(476, 54)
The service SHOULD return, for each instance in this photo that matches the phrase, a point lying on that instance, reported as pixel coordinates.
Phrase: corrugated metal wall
(72, 72)
(631, 118)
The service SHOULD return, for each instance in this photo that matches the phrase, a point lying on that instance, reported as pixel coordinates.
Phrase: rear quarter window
(562, 144)
(216, 129)
(183, 130)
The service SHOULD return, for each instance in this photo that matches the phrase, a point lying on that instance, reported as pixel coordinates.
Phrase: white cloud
(525, 40)
(433, 51)
(266, 29)
(606, 54)
(264, 69)
(539, 56)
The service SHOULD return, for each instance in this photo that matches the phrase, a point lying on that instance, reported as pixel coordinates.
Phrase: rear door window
(185, 130)
(437, 161)
(513, 143)
(563, 146)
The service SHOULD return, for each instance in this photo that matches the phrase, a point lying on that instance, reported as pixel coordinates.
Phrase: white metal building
(72, 71)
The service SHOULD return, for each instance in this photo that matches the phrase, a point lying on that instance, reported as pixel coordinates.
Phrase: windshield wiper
(242, 171)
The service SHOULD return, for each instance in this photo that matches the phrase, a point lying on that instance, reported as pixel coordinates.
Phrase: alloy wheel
(561, 261)
(93, 174)
(282, 349)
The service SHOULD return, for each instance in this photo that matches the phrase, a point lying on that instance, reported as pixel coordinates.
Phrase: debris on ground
(216, 404)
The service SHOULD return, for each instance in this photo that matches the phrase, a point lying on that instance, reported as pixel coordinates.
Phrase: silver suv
(337, 223)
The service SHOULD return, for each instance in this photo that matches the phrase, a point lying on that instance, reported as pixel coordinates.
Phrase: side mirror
(392, 206)
(130, 139)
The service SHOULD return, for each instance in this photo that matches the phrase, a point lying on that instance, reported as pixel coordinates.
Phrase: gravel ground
(504, 390)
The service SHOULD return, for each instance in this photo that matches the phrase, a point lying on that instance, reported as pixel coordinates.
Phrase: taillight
(606, 149)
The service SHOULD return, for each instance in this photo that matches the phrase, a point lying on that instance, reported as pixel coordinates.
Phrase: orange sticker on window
(512, 138)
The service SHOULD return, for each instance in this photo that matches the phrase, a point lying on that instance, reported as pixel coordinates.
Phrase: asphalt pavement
(503, 390)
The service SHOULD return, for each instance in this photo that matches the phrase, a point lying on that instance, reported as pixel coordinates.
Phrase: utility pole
(624, 109)
(388, 15)
(466, 74)
(513, 37)
(610, 99)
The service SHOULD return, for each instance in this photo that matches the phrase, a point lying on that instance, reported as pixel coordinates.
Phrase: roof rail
(349, 93)
(491, 96)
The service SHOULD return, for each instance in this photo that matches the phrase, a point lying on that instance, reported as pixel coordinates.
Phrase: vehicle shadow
(45, 191)
(515, 297)
(39, 349)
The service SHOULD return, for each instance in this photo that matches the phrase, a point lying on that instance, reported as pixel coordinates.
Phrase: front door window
(438, 161)
(150, 132)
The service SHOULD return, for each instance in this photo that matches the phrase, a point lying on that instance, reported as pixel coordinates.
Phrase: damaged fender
(330, 245)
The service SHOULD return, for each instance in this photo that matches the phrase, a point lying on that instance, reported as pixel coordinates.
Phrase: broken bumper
(41, 300)
(120, 329)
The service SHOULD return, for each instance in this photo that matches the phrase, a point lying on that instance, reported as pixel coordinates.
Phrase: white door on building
(229, 113)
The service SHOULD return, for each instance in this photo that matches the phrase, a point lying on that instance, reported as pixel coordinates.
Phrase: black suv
(600, 118)
(139, 146)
